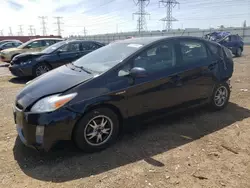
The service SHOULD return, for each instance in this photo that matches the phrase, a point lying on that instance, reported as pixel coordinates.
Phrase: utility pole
(31, 30)
(44, 29)
(34, 31)
(58, 23)
(1, 32)
(141, 21)
(10, 33)
(85, 32)
(169, 4)
(20, 30)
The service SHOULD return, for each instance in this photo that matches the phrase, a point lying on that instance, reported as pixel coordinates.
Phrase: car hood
(26, 56)
(10, 50)
(56, 81)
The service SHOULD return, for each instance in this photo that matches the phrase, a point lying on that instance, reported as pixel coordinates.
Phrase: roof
(47, 39)
(148, 40)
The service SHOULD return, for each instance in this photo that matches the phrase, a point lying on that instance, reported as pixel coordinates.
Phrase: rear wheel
(220, 96)
(41, 69)
(238, 52)
(96, 130)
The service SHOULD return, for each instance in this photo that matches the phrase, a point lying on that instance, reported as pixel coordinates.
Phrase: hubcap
(41, 70)
(98, 130)
(221, 95)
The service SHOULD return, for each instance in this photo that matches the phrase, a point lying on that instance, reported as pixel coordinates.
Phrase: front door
(158, 89)
(67, 54)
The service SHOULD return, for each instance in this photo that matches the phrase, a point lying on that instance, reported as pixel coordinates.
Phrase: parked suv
(233, 42)
(61, 53)
(35, 45)
(90, 99)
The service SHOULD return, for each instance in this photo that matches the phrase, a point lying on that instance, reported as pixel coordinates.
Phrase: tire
(40, 69)
(220, 97)
(238, 52)
(86, 133)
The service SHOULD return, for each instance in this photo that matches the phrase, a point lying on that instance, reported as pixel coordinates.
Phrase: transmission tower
(20, 30)
(169, 4)
(58, 22)
(85, 32)
(34, 31)
(44, 29)
(141, 21)
(1, 32)
(10, 33)
(30, 30)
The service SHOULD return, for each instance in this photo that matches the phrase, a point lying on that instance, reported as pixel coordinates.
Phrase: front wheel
(41, 69)
(96, 130)
(220, 96)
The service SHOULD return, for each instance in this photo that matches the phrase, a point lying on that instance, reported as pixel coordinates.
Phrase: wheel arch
(115, 109)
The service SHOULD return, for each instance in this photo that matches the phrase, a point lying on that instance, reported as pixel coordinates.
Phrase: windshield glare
(106, 57)
(53, 47)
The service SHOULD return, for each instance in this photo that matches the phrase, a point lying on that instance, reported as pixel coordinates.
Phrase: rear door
(196, 71)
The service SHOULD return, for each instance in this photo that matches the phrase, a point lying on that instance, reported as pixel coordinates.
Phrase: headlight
(51, 103)
(25, 62)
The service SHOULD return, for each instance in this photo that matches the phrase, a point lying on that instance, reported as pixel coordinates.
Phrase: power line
(58, 23)
(141, 21)
(169, 4)
(44, 28)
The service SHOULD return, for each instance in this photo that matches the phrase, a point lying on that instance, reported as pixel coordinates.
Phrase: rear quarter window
(228, 53)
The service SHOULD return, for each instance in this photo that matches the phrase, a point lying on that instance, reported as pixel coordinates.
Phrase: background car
(35, 45)
(36, 64)
(12, 44)
(232, 41)
(10, 40)
(90, 99)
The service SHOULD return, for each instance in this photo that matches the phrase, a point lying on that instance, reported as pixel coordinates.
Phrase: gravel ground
(194, 149)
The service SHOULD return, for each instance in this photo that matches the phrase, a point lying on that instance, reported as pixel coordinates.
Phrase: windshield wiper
(82, 68)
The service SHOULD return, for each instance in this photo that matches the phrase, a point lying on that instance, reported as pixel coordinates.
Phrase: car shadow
(20, 80)
(140, 142)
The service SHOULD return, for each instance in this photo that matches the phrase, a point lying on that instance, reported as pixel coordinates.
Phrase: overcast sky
(105, 16)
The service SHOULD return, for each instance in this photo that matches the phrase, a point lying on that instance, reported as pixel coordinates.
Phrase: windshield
(106, 57)
(24, 44)
(53, 47)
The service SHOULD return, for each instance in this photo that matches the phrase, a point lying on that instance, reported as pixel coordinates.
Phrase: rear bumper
(42, 131)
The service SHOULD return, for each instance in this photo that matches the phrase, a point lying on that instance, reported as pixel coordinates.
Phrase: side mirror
(138, 72)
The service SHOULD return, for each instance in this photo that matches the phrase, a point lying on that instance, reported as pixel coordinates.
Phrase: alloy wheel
(42, 69)
(98, 130)
(221, 96)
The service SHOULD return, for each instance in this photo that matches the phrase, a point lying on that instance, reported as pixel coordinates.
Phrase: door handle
(212, 66)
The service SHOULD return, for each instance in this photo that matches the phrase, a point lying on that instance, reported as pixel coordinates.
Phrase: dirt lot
(194, 149)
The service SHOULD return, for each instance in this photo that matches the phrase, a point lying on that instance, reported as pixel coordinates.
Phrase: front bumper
(21, 70)
(42, 131)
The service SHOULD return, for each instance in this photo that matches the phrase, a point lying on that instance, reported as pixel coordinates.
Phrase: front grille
(19, 106)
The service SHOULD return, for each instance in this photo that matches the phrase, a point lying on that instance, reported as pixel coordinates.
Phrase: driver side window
(35, 44)
(157, 58)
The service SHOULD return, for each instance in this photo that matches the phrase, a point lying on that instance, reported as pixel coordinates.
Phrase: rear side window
(193, 51)
(90, 46)
(213, 48)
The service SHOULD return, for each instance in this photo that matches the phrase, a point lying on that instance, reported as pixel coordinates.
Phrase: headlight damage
(51, 103)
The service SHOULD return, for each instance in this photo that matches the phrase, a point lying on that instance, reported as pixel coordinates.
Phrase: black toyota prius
(89, 100)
